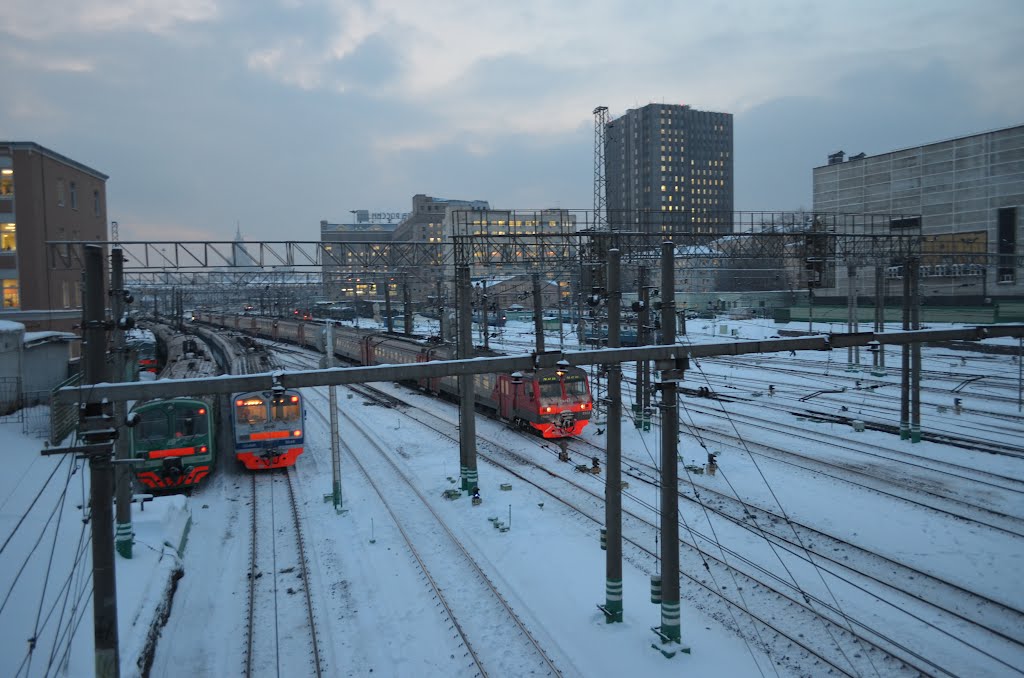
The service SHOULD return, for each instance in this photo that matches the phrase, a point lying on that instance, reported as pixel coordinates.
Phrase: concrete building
(45, 196)
(345, 277)
(425, 225)
(965, 194)
(670, 167)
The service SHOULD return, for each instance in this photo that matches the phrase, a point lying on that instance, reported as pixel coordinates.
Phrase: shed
(47, 356)
(11, 338)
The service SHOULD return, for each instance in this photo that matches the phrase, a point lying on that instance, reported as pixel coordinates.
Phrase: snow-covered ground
(376, 615)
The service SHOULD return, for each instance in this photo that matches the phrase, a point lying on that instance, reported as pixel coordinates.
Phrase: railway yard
(816, 547)
(817, 543)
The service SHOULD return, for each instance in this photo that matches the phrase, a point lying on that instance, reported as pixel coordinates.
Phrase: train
(173, 441)
(555, 402)
(268, 428)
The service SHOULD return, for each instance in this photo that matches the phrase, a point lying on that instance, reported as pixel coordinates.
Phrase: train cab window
(251, 411)
(575, 388)
(152, 426)
(551, 389)
(286, 408)
(190, 423)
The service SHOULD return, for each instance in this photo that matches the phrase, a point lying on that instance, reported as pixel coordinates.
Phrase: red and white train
(555, 401)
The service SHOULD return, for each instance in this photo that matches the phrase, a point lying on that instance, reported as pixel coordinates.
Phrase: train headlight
(297, 433)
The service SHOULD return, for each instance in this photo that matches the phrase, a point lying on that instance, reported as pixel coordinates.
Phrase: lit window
(8, 241)
(11, 297)
(7, 183)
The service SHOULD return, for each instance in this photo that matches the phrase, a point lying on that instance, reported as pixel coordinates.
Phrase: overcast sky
(276, 114)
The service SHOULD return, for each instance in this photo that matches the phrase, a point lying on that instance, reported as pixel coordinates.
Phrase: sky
(216, 115)
(377, 616)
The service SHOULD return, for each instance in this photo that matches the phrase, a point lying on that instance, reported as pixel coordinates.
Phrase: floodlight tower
(600, 181)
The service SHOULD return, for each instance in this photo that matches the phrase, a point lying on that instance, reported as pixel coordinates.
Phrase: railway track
(916, 602)
(503, 646)
(281, 636)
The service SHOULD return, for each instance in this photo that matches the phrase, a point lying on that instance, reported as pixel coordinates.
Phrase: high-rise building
(45, 196)
(669, 167)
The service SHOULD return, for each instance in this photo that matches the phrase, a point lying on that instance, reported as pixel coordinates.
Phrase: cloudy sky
(276, 114)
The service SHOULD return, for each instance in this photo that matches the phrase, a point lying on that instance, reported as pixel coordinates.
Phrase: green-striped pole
(123, 540)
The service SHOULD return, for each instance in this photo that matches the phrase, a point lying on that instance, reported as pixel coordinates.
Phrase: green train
(175, 438)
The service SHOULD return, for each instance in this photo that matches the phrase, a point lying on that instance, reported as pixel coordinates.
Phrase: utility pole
(878, 358)
(915, 351)
(538, 313)
(669, 632)
(407, 305)
(612, 607)
(387, 302)
(97, 430)
(467, 395)
(123, 475)
(905, 357)
(332, 391)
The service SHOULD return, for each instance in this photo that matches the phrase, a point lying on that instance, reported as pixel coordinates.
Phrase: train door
(300, 334)
(505, 394)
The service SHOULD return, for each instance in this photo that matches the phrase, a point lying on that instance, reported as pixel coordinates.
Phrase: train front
(174, 440)
(564, 401)
(268, 428)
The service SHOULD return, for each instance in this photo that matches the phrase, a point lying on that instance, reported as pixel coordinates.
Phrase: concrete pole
(101, 481)
(483, 315)
(407, 305)
(387, 303)
(905, 362)
(123, 475)
(915, 353)
(670, 625)
(467, 420)
(613, 488)
(878, 360)
(643, 337)
(538, 314)
(851, 275)
(332, 392)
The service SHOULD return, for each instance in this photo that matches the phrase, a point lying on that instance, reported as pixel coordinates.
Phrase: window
(74, 195)
(11, 297)
(6, 182)
(60, 193)
(95, 203)
(152, 426)
(8, 242)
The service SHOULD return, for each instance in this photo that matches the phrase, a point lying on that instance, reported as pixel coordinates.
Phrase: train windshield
(550, 389)
(250, 411)
(152, 425)
(190, 422)
(286, 408)
(575, 386)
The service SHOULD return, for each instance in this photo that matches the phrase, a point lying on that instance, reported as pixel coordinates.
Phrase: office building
(669, 167)
(45, 196)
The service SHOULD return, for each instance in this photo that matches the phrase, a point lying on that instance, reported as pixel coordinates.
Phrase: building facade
(45, 196)
(344, 275)
(669, 167)
(965, 194)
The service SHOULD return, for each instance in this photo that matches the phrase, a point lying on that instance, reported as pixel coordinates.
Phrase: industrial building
(965, 195)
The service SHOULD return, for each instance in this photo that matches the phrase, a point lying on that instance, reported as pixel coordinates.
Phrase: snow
(377, 616)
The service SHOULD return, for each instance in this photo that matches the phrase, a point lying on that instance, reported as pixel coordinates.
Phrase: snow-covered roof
(11, 326)
(36, 338)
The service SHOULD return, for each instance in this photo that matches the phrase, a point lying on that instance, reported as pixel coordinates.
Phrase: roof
(38, 338)
(9, 326)
(862, 156)
(43, 150)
